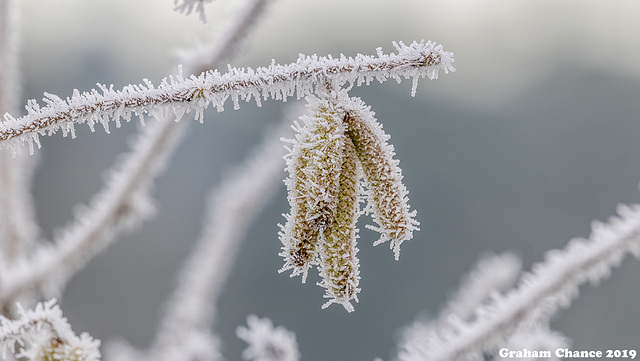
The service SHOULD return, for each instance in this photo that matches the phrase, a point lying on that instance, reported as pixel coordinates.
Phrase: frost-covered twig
(178, 95)
(121, 204)
(18, 227)
(232, 207)
(10, 78)
(45, 334)
(184, 332)
(551, 285)
(539, 338)
(267, 343)
(493, 274)
(123, 201)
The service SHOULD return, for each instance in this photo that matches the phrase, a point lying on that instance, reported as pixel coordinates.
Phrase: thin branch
(491, 275)
(266, 342)
(235, 33)
(18, 227)
(45, 334)
(10, 77)
(551, 285)
(122, 204)
(123, 201)
(178, 95)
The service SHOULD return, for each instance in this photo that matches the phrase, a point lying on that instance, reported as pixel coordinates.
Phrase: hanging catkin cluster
(339, 144)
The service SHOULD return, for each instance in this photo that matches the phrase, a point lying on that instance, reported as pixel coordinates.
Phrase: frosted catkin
(339, 266)
(314, 174)
(387, 195)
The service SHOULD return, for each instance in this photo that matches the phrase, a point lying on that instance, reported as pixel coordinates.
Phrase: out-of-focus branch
(124, 200)
(551, 285)
(18, 227)
(45, 334)
(232, 207)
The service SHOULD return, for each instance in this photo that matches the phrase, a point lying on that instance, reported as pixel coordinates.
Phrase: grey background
(530, 140)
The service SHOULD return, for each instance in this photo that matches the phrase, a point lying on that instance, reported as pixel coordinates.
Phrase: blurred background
(533, 137)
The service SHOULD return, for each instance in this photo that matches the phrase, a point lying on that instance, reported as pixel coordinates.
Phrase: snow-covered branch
(232, 207)
(266, 342)
(123, 201)
(551, 285)
(178, 95)
(45, 334)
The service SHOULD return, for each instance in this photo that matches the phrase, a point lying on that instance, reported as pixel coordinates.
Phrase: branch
(123, 200)
(178, 95)
(232, 207)
(493, 274)
(18, 227)
(266, 342)
(48, 336)
(550, 286)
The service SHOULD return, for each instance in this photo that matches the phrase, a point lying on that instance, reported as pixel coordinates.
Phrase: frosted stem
(18, 227)
(113, 209)
(550, 286)
(232, 207)
(118, 206)
(179, 95)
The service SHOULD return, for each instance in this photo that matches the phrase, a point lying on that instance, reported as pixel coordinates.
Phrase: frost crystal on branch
(314, 167)
(44, 334)
(178, 95)
(550, 285)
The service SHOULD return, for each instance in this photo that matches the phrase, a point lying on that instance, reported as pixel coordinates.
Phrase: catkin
(314, 166)
(387, 195)
(339, 266)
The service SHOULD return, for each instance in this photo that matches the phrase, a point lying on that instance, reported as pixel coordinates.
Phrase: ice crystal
(45, 334)
(551, 285)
